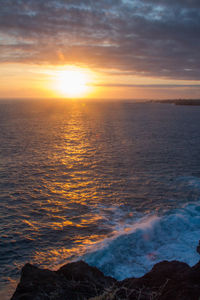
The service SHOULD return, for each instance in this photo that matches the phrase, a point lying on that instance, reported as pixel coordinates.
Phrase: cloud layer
(147, 37)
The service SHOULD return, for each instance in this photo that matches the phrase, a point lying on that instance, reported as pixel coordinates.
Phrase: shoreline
(187, 102)
(79, 281)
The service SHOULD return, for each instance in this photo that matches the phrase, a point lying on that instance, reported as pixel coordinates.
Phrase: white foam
(134, 249)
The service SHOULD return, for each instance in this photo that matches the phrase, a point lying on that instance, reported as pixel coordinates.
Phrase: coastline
(79, 281)
(187, 102)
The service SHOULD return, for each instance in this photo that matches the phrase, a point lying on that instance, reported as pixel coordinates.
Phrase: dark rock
(77, 281)
(80, 271)
(166, 281)
(72, 281)
(198, 248)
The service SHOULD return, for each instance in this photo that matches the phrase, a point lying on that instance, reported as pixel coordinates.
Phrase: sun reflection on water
(73, 175)
(68, 212)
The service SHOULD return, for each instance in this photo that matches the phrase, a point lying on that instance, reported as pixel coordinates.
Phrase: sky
(126, 49)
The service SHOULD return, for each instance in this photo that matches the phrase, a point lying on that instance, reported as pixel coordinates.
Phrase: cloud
(147, 37)
(148, 85)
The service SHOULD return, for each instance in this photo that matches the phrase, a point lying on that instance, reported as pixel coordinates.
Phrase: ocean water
(114, 183)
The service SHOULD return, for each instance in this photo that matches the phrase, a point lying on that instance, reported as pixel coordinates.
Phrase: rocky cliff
(79, 281)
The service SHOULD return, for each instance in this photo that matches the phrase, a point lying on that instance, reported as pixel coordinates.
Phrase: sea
(114, 183)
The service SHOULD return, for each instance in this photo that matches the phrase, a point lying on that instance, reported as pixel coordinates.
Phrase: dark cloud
(149, 85)
(147, 37)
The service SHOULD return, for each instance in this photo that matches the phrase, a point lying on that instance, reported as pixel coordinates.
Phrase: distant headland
(193, 102)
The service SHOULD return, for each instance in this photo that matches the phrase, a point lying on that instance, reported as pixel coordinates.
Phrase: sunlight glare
(73, 82)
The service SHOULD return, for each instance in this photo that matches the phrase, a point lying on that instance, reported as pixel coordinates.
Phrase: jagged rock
(73, 281)
(198, 248)
(77, 281)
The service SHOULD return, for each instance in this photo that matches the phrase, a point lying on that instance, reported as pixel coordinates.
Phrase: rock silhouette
(78, 281)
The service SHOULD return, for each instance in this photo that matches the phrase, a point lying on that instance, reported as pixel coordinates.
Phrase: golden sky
(107, 49)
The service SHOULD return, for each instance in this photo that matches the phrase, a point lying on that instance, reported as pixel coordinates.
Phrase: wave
(134, 249)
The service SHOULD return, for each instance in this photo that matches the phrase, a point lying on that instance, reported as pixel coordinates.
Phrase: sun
(72, 82)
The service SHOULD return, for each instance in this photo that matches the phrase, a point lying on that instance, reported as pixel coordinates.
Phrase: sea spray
(133, 251)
